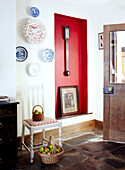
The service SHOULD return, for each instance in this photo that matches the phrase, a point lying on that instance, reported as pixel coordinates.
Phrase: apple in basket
(51, 146)
(48, 149)
(38, 112)
(41, 149)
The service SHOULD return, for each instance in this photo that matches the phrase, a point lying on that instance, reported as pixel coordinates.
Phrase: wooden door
(114, 104)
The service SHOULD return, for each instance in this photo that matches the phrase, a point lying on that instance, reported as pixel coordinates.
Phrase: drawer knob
(1, 161)
(1, 140)
(1, 112)
(1, 125)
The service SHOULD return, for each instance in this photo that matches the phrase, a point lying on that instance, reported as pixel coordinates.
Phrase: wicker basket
(52, 158)
(37, 117)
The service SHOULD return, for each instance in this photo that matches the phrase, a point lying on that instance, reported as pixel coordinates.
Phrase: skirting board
(98, 124)
(68, 130)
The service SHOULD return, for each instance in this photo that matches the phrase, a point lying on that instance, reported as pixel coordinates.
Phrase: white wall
(47, 72)
(110, 13)
(11, 36)
(7, 48)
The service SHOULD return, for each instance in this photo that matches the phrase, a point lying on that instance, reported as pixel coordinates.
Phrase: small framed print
(101, 40)
(69, 99)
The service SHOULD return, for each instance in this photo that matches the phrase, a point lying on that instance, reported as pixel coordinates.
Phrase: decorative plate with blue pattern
(48, 55)
(21, 54)
(34, 12)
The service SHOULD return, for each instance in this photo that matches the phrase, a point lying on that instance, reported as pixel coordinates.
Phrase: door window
(117, 57)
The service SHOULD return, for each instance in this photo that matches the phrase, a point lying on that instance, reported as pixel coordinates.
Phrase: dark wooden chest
(8, 135)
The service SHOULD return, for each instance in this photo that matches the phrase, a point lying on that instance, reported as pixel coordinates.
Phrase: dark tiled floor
(83, 151)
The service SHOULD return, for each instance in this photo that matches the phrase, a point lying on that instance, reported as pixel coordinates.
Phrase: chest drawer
(7, 122)
(6, 111)
(7, 138)
(8, 131)
(8, 158)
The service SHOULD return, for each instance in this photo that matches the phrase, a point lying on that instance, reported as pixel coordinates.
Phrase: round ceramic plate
(34, 12)
(34, 31)
(34, 69)
(21, 54)
(48, 55)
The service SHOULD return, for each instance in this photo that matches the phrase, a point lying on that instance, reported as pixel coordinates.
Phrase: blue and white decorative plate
(48, 55)
(21, 54)
(34, 12)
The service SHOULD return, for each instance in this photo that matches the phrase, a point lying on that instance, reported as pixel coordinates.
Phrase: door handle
(108, 90)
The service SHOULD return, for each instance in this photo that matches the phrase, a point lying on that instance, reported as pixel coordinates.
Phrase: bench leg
(60, 126)
(31, 147)
(43, 137)
(23, 132)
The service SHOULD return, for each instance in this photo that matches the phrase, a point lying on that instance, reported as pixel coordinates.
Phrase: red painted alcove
(77, 59)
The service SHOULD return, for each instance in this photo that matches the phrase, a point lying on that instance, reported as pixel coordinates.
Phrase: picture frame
(101, 40)
(69, 100)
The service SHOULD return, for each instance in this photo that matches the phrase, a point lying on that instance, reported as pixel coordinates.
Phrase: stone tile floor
(83, 151)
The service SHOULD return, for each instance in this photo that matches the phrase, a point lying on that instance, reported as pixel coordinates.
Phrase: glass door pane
(117, 57)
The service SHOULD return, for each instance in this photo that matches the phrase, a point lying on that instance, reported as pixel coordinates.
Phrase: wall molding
(67, 130)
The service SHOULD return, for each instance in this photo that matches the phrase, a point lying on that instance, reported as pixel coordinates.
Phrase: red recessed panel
(77, 56)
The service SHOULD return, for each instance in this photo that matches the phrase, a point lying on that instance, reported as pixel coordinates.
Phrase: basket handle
(51, 139)
(36, 106)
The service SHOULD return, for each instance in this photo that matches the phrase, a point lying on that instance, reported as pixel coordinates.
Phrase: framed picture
(101, 40)
(69, 99)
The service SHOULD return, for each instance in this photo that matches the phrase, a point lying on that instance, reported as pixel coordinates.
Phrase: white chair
(33, 126)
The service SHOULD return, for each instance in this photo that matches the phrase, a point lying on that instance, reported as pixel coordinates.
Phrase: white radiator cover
(28, 98)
